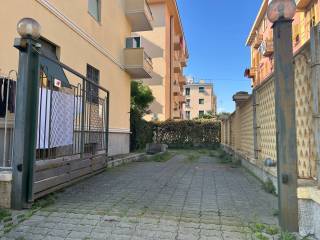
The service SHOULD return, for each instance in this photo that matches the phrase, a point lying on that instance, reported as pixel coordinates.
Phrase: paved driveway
(180, 199)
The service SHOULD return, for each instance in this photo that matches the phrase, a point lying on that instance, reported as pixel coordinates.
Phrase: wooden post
(286, 125)
(315, 86)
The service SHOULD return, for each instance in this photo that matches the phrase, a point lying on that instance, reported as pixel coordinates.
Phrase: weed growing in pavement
(4, 213)
(287, 236)
(164, 157)
(45, 202)
(269, 187)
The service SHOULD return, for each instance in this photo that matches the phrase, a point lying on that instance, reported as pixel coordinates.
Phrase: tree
(142, 131)
(141, 97)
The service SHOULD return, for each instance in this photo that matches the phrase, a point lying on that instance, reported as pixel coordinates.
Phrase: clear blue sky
(216, 32)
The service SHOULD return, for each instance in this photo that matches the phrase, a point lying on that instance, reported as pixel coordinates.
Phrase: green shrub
(142, 132)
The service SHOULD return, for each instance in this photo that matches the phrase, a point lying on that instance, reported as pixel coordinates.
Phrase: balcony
(139, 15)
(250, 73)
(137, 63)
(180, 99)
(182, 80)
(267, 50)
(176, 88)
(183, 60)
(177, 68)
(177, 43)
(258, 40)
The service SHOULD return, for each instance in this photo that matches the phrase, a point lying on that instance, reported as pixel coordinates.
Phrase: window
(94, 9)
(133, 42)
(188, 102)
(201, 101)
(201, 113)
(92, 91)
(187, 91)
(201, 89)
(188, 115)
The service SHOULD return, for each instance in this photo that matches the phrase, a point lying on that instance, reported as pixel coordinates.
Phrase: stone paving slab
(178, 199)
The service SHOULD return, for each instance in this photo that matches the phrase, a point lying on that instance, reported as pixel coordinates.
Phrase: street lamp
(26, 117)
(278, 9)
(29, 28)
(281, 13)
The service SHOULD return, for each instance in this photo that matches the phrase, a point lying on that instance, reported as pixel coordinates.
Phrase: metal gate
(62, 125)
(73, 126)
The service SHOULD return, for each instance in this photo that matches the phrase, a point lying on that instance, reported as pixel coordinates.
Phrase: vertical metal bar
(73, 119)
(89, 115)
(49, 154)
(315, 86)
(107, 123)
(25, 126)
(6, 125)
(40, 113)
(286, 125)
(82, 139)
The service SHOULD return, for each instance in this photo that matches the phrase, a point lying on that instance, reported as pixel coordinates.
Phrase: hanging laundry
(2, 103)
(56, 119)
(12, 96)
(3, 96)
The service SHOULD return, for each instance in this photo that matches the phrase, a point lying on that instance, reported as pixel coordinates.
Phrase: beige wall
(155, 43)
(194, 97)
(82, 41)
(159, 45)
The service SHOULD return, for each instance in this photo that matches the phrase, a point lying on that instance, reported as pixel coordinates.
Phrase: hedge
(141, 132)
(176, 134)
(188, 133)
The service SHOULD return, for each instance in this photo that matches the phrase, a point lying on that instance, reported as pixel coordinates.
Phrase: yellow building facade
(166, 46)
(88, 32)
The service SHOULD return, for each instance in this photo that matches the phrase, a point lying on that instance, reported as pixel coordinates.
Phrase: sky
(216, 32)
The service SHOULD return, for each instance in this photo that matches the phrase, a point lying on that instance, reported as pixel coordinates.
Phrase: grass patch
(164, 157)
(4, 213)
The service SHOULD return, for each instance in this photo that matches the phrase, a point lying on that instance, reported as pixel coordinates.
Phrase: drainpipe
(315, 86)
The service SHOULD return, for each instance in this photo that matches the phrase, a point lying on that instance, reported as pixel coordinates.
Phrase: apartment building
(90, 36)
(260, 39)
(250, 131)
(166, 46)
(200, 99)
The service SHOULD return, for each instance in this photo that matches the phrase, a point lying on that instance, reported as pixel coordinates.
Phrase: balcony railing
(177, 66)
(258, 40)
(139, 14)
(268, 48)
(137, 63)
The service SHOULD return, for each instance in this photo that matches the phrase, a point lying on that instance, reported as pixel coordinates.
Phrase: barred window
(92, 91)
